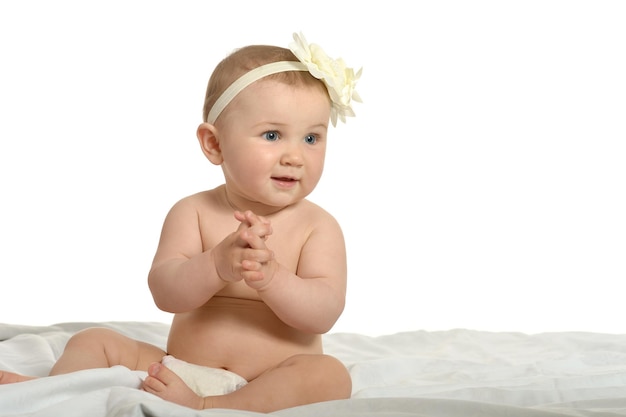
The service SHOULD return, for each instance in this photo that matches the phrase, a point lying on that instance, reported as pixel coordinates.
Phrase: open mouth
(285, 182)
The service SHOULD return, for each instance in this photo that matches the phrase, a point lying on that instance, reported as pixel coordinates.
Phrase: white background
(482, 184)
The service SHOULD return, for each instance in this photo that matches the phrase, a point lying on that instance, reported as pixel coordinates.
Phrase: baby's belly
(242, 336)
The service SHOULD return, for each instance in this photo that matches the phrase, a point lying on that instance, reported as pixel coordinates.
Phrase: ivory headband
(247, 79)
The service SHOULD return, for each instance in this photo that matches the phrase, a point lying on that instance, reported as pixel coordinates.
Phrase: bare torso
(234, 330)
(241, 335)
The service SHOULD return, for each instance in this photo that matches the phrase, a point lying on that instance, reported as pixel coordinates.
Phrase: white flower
(339, 79)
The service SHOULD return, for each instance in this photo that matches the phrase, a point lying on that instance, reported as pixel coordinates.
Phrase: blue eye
(310, 139)
(271, 136)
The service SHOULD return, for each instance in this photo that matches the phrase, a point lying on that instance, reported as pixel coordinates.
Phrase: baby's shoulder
(316, 214)
(307, 206)
(198, 202)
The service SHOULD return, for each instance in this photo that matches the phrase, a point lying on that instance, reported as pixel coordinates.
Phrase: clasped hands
(243, 255)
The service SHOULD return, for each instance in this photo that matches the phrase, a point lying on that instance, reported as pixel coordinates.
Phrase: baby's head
(302, 65)
(245, 59)
(276, 104)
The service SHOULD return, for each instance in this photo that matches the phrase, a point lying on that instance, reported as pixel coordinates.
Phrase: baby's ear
(207, 136)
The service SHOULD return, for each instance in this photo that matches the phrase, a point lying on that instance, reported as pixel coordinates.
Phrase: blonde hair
(248, 58)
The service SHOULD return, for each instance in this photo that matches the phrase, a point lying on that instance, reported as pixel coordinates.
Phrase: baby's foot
(12, 378)
(161, 381)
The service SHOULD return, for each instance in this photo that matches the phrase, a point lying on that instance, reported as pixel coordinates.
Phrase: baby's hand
(243, 255)
(260, 226)
(260, 265)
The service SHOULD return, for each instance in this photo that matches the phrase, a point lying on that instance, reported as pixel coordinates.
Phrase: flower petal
(340, 80)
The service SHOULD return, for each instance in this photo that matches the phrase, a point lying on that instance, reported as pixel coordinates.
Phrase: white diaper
(203, 380)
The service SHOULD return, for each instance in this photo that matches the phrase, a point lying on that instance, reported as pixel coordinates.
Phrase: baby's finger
(253, 276)
(250, 266)
(240, 216)
(245, 236)
(253, 239)
(262, 230)
(253, 218)
(260, 256)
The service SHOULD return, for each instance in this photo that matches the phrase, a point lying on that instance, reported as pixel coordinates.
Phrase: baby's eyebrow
(320, 125)
(268, 123)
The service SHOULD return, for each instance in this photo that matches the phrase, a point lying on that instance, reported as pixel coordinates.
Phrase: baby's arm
(313, 299)
(182, 277)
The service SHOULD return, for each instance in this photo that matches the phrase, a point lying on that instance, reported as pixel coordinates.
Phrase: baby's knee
(92, 334)
(325, 371)
(92, 338)
(339, 375)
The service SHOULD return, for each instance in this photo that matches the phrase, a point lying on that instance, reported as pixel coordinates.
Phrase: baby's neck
(257, 208)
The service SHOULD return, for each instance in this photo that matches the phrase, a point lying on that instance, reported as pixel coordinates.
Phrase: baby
(253, 272)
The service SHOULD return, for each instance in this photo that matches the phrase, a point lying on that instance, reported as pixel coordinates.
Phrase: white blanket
(449, 373)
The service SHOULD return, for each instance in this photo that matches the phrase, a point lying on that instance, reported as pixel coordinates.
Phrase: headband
(340, 81)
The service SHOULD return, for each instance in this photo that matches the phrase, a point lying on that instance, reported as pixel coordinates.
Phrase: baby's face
(273, 141)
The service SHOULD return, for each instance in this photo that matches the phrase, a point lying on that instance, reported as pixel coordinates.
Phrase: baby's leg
(97, 348)
(104, 348)
(302, 379)
(11, 378)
